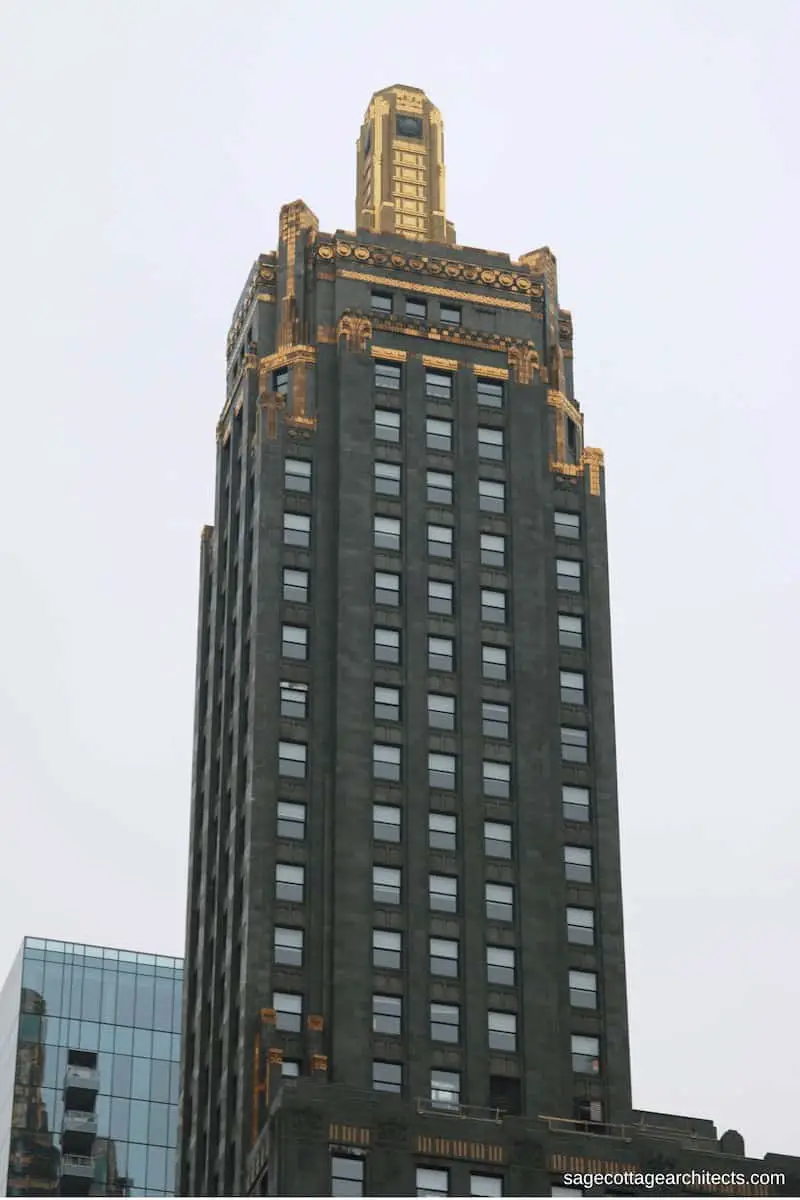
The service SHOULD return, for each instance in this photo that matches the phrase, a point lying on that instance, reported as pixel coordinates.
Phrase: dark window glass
(449, 314)
(387, 645)
(347, 1175)
(387, 479)
(575, 803)
(495, 719)
(386, 823)
(495, 662)
(439, 434)
(381, 302)
(490, 393)
(291, 820)
(409, 127)
(387, 1077)
(570, 631)
(568, 575)
(387, 375)
(416, 308)
(438, 385)
(572, 687)
(441, 654)
(387, 425)
(295, 585)
(567, 525)
(574, 744)
(387, 1014)
(441, 831)
(444, 1020)
(294, 699)
(280, 381)
(578, 864)
(297, 475)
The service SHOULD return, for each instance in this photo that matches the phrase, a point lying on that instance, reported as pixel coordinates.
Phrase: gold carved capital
(523, 361)
(356, 329)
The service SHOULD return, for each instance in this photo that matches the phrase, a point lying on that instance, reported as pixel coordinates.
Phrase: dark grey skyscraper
(405, 960)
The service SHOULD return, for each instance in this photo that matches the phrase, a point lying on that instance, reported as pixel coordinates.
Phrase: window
(387, 645)
(387, 589)
(288, 1011)
(295, 585)
(433, 1181)
(449, 314)
(387, 1077)
(292, 759)
(578, 864)
(570, 631)
(442, 771)
(441, 711)
(291, 820)
(567, 525)
(296, 529)
(499, 902)
(574, 744)
(386, 533)
(568, 575)
(580, 926)
(381, 302)
(280, 381)
(575, 803)
(485, 1185)
(501, 965)
(408, 127)
(495, 719)
(440, 597)
(490, 393)
(494, 660)
(440, 541)
(387, 425)
(387, 949)
(585, 1054)
(416, 308)
(386, 823)
(444, 1022)
(387, 1014)
(438, 385)
(386, 762)
(443, 893)
(289, 882)
(491, 496)
(496, 839)
(439, 487)
(502, 1031)
(445, 1088)
(583, 989)
(294, 641)
(387, 479)
(441, 654)
(297, 475)
(443, 957)
(439, 434)
(347, 1175)
(493, 550)
(496, 779)
(387, 375)
(294, 699)
(572, 687)
(288, 946)
(493, 606)
(490, 443)
(290, 1068)
(386, 883)
(387, 703)
(441, 831)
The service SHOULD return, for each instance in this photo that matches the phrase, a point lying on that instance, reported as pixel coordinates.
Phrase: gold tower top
(400, 184)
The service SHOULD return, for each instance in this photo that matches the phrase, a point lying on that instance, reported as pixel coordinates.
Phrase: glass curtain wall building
(119, 1012)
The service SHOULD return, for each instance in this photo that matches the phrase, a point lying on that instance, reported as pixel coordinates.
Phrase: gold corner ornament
(592, 460)
(357, 330)
(523, 362)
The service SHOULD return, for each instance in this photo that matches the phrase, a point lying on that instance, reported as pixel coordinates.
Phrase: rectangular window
(490, 393)
(494, 662)
(387, 1077)
(567, 525)
(439, 487)
(387, 949)
(575, 803)
(442, 771)
(495, 718)
(570, 631)
(440, 541)
(386, 885)
(280, 381)
(443, 893)
(493, 606)
(438, 385)
(296, 529)
(490, 443)
(292, 759)
(585, 1054)
(496, 839)
(485, 1185)
(291, 820)
(387, 703)
(444, 1022)
(443, 957)
(288, 1011)
(387, 425)
(433, 1181)
(387, 479)
(578, 864)
(439, 434)
(387, 589)
(295, 585)
(386, 533)
(387, 645)
(583, 989)
(297, 475)
(289, 882)
(294, 699)
(441, 711)
(294, 641)
(288, 946)
(502, 1031)
(493, 550)
(572, 687)
(441, 831)
(416, 308)
(440, 597)
(386, 762)
(568, 575)
(496, 779)
(574, 744)
(290, 1069)
(580, 926)
(387, 375)
(501, 965)
(441, 654)
(381, 302)
(347, 1175)
(491, 496)
(499, 902)
(386, 823)
(449, 314)
(387, 1014)
(445, 1088)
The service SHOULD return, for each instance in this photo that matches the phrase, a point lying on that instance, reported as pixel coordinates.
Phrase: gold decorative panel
(438, 1147)
(386, 352)
(440, 364)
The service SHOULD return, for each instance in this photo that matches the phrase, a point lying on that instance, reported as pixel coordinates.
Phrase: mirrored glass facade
(125, 1009)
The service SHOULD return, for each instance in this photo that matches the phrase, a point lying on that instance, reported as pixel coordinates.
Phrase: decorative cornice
(447, 293)
(561, 402)
(261, 284)
(455, 335)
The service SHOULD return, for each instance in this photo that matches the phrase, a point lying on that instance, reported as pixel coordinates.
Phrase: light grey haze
(146, 151)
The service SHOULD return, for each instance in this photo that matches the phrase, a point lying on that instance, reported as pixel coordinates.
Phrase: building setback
(405, 952)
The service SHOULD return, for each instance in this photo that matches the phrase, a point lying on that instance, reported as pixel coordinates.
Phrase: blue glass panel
(53, 986)
(126, 993)
(137, 1167)
(105, 1062)
(103, 1109)
(156, 1168)
(107, 1037)
(164, 1002)
(139, 1120)
(162, 1045)
(177, 1001)
(171, 1173)
(158, 1124)
(159, 1082)
(108, 1006)
(175, 1083)
(34, 944)
(89, 1037)
(176, 1047)
(120, 1119)
(123, 1040)
(172, 1127)
(92, 988)
(145, 998)
(121, 1075)
(33, 974)
(140, 1086)
(74, 974)
(142, 1043)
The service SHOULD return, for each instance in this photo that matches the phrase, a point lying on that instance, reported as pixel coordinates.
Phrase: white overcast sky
(147, 146)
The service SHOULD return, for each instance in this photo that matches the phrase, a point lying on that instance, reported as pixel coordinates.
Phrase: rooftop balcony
(78, 1131)
(77, 1174)
(81, 1085)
